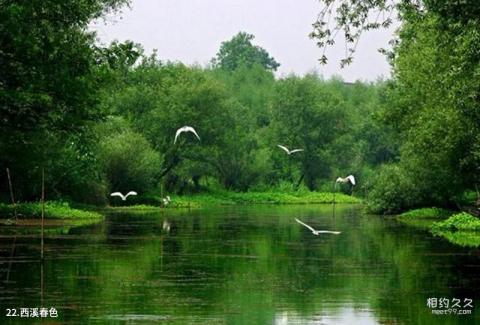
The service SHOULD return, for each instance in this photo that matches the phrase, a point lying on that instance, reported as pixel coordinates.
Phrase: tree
(432, 102)
(48, 82)
(239, 51)
(127, 158)
(351, 18)
(307, 115)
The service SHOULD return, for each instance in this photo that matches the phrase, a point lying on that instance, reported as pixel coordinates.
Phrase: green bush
(53, 209)
(461, 221)
(425, 213)
(129, 162)
(393, 191)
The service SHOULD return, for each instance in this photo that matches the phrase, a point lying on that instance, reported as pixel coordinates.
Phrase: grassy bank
(458, 228)
(60, 217)
(245, 198)
(423, 218)
(53, 210)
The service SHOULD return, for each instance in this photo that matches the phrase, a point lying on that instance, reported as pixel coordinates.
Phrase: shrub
(460, 221)
(393, 191)
(426, 213)
(129, 162)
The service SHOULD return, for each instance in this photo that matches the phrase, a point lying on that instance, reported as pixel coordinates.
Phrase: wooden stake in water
(11, 193)
(11, 259)
(43, 204)
(334, 193)
(41, 283)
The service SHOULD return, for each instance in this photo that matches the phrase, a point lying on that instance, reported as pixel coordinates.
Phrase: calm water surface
(239, 265)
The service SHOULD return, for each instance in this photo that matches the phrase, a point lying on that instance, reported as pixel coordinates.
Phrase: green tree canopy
(48, 83)
(239, 51)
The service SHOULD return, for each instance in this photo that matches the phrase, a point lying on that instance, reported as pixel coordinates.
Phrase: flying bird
(289, 151)
(166, 200)
(349, 179)
(124, 197)
(318, 232)
(185, 129)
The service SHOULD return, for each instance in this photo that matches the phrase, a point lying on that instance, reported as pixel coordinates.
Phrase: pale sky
(191, 31)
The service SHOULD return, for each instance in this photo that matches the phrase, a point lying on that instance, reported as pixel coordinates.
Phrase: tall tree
(48, 80)
(239, 51)
(433, 100)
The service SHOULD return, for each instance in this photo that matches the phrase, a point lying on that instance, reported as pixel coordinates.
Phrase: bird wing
(118, 194)
(351, 179)
(340, 180)
(168, 198)
(180, 130)
(190, 129)
(284, 148)
(329, 232)
(131, 193)
(296, 150)
(305, 225)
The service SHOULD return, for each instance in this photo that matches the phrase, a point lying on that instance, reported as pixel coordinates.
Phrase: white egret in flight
(289, 151)
(349, 179)
(166, 200)
(185, 129)
(318, 232)
(124, 197)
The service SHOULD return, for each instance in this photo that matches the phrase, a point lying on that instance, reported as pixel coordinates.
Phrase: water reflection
(241, 266)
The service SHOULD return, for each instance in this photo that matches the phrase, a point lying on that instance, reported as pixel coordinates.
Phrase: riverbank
(460, 228)
(64, 211)
(238, 198)
(60, 217)
(53, 210)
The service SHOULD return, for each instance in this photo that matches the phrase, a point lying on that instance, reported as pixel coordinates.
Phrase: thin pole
(41, 283)
(11, 258)
(11, 193)
(334, 193)
(43, 204)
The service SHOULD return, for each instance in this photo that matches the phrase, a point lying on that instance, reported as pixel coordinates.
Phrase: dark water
(241, 265)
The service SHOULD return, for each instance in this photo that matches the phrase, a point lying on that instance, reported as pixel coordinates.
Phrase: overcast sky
(191, 31)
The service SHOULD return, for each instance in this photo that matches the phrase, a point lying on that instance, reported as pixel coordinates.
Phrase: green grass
(461, 229)
(423, 218)
(246, 198)
(426, 213)
(462, 238)
(53, 210)
(461, 221)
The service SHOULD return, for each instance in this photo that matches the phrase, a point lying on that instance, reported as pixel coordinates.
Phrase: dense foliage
(239, 51)
(48, 84)
(101, 119)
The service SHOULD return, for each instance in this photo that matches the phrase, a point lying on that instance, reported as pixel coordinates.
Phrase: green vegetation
(426, 213)
(232, 198)
(423, 218)
(222, 197)
(461, 229)
(53, 210)
(461, 238)
(431, 103)
(461, 221)
(99, 119)
(60, 218)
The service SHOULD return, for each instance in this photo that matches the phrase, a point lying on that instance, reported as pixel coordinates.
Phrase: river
(241, 265)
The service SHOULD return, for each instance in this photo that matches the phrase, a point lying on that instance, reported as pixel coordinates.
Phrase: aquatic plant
(53, 210)
(460, 221)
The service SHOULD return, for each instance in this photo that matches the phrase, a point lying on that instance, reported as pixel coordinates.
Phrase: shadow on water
(241, 265)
